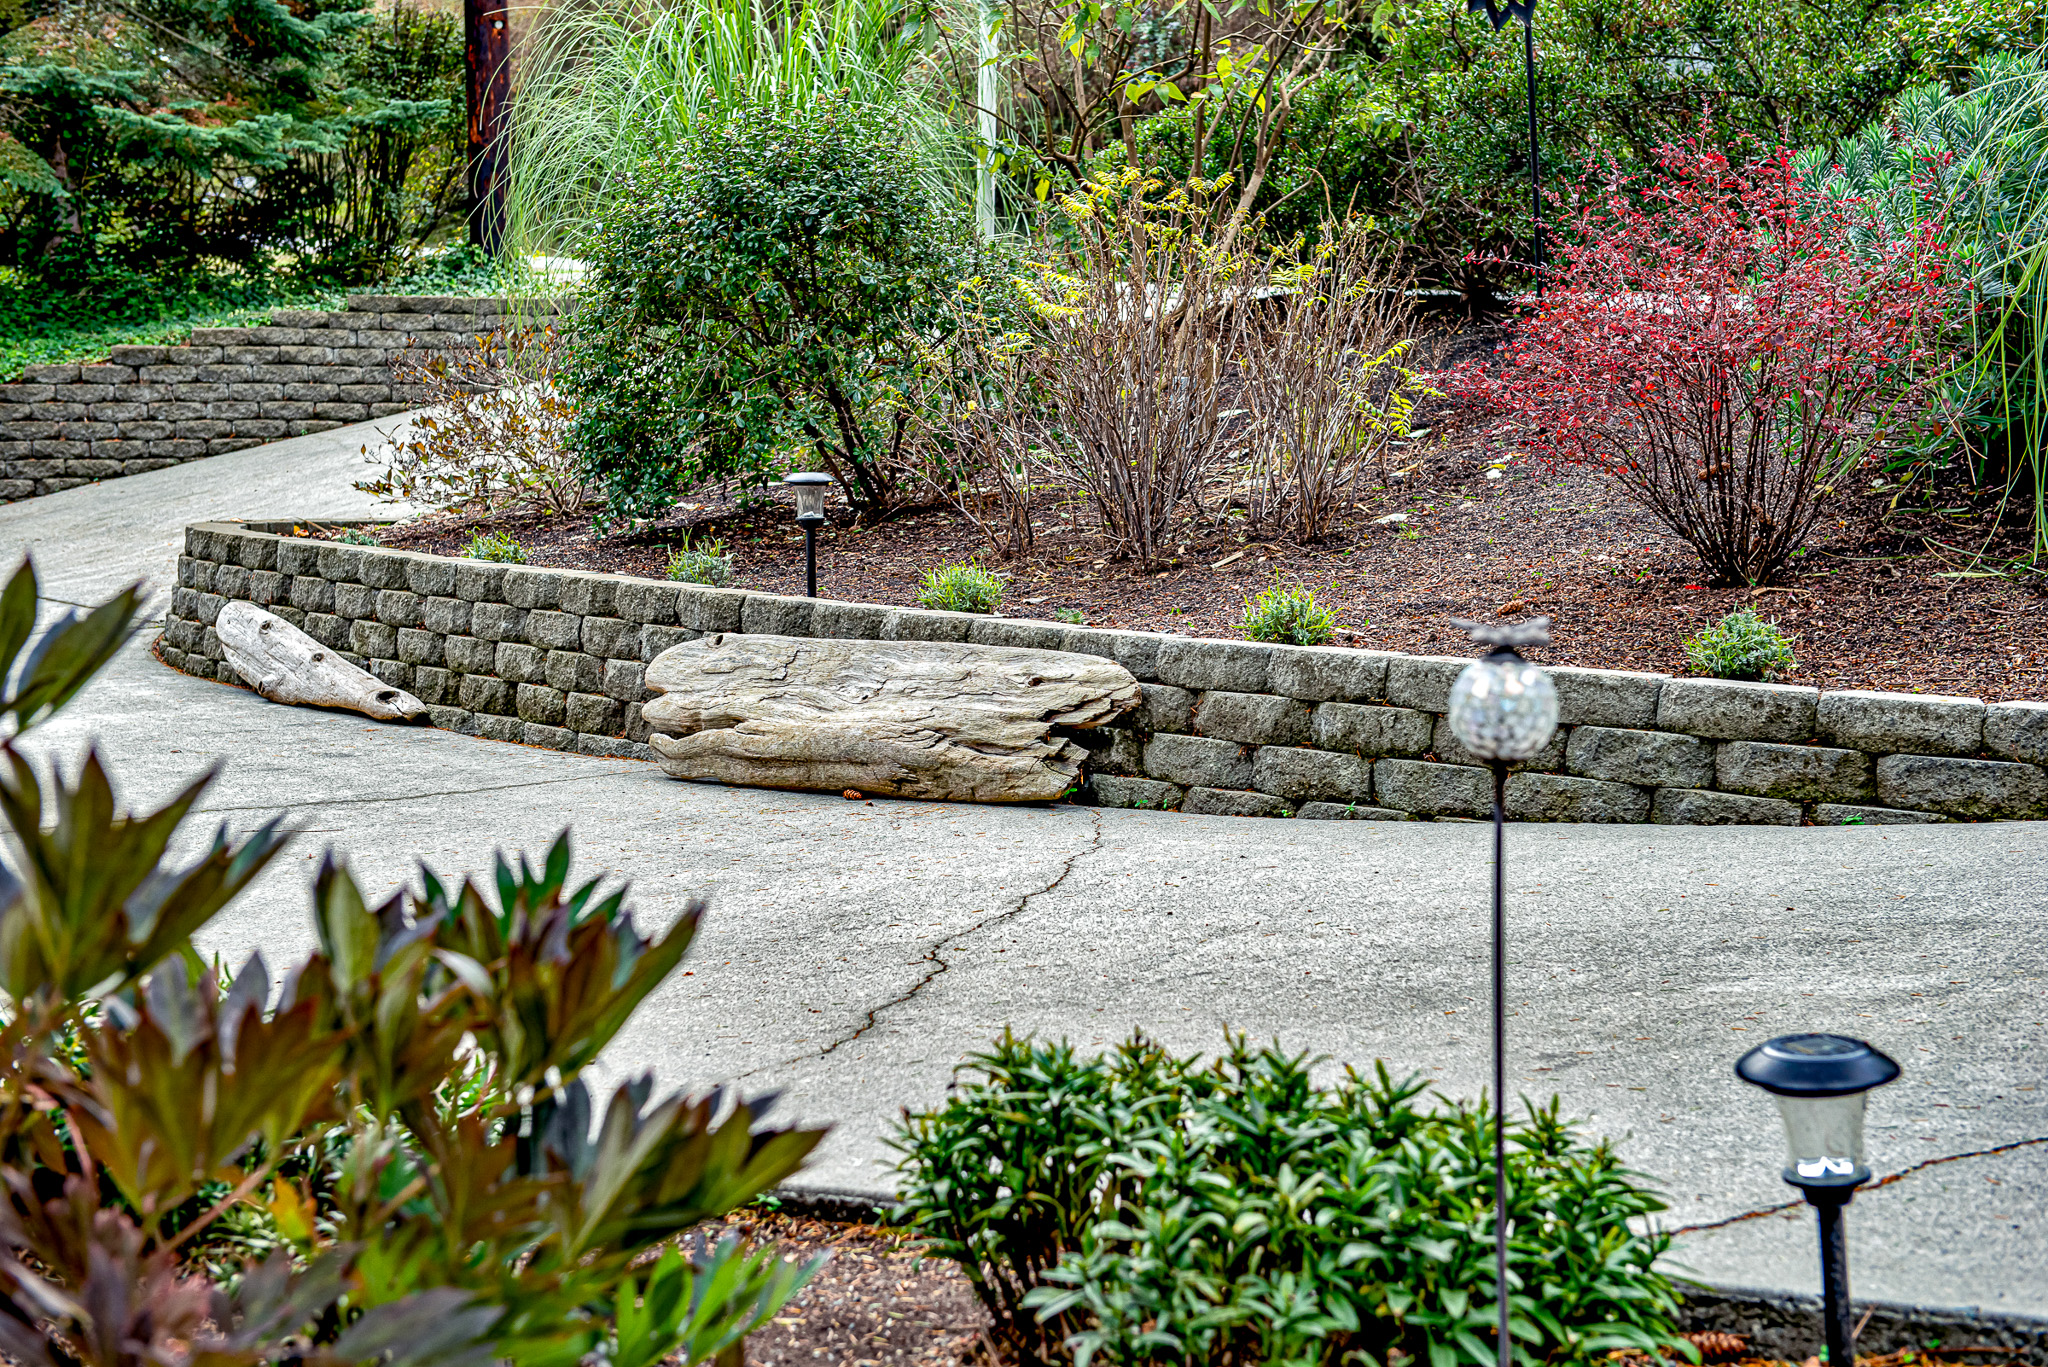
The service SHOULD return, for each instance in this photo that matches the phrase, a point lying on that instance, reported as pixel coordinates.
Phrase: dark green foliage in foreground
(771, 287)
(1144, 1208)
(396, 1162)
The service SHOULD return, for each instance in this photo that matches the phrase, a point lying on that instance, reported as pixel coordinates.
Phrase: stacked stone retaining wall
(558, 659)
(152, 406)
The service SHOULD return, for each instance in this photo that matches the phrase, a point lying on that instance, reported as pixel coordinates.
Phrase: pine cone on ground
(1715, 1345)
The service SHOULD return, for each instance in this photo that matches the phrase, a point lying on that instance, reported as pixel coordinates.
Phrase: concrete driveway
(855, 952)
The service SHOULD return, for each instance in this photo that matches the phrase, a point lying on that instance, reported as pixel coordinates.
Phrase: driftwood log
(284, 664)
(924, 719)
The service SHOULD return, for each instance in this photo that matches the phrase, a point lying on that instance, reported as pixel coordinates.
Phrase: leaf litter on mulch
(1898, 589)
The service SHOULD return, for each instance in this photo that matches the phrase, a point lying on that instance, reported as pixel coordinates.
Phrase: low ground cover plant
(1142, 1207)
(1288, 616)
(1728, 345)
(498, 546)
(1742, 645)
(704, 563)
(960, 588)
(397, 1160)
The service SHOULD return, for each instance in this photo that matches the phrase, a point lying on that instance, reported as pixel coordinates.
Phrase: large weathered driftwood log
(903, 718)
(284, 664)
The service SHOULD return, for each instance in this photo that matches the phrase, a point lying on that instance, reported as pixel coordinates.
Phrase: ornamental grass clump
(1729, 345)
(960, 588)
(1288, 616)
(498, 546)
(1144, 1208)
(1741, 645)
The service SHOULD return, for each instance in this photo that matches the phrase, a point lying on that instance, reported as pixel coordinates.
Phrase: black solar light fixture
(1503, 709)
(1821, 1083)
(810, 515)
(1498, 15)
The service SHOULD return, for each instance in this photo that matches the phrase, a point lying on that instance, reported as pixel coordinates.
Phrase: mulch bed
(877, 1303)
(1896, 590)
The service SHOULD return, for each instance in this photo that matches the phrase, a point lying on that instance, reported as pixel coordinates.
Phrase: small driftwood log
(925, 719)
(284, 664)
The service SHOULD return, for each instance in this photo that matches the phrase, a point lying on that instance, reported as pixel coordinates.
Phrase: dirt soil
(1898, 588)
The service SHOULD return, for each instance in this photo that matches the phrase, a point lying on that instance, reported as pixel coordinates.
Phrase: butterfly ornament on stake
(1498, 15)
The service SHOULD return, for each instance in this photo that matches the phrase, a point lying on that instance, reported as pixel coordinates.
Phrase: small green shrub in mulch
(705, 564)
(960, 588)
(1288, 616)
(498, 546)
(1741, 645)
(356, 536)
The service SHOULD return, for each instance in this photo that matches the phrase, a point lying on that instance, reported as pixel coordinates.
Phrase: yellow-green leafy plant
(495, 545)
(705, 563)
(960, 588)
(388, 1154)
(1288, 616)
(1742, 645)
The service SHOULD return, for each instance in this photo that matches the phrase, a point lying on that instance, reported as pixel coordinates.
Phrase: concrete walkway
(855, 952)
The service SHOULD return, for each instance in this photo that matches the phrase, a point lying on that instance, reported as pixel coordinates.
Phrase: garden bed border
(557, 658)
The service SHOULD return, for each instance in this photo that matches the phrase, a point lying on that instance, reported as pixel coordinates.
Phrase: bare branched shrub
(984, 425)
(493, 436)
(1324, 380)
(1139, 326)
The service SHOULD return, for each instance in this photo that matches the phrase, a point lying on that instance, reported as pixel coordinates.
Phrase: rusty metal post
(487, 48)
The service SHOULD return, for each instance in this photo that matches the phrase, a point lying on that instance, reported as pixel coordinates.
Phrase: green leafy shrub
(706, 564)
(1071, 616)
(498, 546)
(772, 285)
(960, 588)
(1741, 645)
(356, 536)
(1288, 616)
(1139, 1208)
(397, 1128)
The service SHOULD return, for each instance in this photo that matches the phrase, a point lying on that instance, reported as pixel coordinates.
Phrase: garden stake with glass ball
(810, 515)
(1821, 1083)
(1503, 709)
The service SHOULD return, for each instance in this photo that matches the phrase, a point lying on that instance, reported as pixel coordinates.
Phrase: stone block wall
(557, 658)
(226, 388)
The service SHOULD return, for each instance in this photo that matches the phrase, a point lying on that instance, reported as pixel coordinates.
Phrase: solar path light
(810, 515)
(1821, 1083)
(1503, 709)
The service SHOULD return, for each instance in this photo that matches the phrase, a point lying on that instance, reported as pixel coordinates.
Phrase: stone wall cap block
(1606, 697)
(923, 624)
(1424, 681)
(1330, 673)
(1723, 709)
(2017, 731)
(1919, 723)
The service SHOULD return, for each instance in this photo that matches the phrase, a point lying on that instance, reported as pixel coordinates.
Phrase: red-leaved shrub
(1725, 344)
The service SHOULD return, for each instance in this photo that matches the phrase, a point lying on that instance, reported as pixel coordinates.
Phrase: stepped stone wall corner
(148, 407)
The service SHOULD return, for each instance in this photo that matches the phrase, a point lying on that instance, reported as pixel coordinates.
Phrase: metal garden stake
(1498, 15)
(1503, 709)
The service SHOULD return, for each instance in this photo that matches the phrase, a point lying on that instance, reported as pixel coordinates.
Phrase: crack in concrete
(1901, 1175)
(940, 965)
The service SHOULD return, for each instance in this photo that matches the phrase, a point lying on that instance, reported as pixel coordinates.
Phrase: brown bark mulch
(1896, 590)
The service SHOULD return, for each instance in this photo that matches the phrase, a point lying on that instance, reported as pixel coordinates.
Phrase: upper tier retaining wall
(557, 658)
(227, 388)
